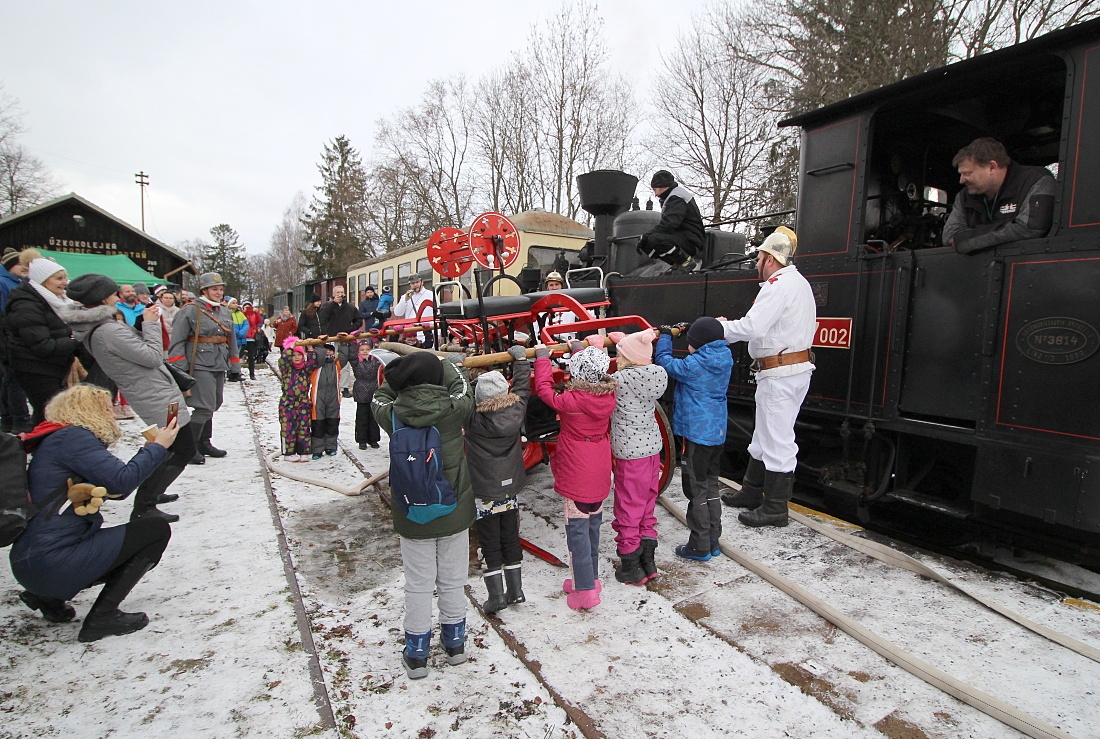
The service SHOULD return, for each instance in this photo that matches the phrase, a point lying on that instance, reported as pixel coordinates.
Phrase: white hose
(294, 474)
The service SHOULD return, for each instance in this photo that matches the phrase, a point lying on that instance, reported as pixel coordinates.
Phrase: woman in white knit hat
(42, 346)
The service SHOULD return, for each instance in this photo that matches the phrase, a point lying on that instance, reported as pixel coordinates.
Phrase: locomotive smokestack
(605, 193)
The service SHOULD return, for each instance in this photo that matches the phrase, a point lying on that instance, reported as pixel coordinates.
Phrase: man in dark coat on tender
(679, 236)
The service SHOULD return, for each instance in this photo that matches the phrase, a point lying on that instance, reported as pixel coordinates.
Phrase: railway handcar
(962, 390)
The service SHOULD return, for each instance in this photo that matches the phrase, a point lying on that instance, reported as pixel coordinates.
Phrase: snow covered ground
(707, 650)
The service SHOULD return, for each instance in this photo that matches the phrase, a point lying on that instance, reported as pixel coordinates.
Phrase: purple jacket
(582, 462)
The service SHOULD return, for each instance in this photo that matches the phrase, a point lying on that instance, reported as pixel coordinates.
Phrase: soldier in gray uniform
(204, 345)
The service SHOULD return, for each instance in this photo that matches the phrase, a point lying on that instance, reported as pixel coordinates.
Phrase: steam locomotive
(961, 391)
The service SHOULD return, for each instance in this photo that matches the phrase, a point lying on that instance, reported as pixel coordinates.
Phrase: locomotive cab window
(911, 183)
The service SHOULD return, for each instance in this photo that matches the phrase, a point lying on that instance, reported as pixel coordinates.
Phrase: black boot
(778, 487)
(494, 583)
(105, 619)
(149, 493)
(167, 498)
(513, 579)
(751, 494)
(204, 444)
(198, 458)
(53, 609)
(631, 572)
(649, 566)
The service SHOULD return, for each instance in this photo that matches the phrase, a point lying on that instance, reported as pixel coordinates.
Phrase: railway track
(714, 614)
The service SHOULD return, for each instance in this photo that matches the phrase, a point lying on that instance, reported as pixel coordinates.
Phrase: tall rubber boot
(204, 444)
(54, 610)
(494, 584)
(453, 637)
(105, 619)
(199, 458)
(149, 492)
(647, 559)
(513, 578)
(631, 572)
(778, 487)
(751, 494)
(415, 655)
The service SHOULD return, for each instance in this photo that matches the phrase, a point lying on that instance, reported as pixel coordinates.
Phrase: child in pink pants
(636, 443)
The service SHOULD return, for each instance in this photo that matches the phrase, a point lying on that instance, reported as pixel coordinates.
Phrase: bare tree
(978, 26)
(430, 144)
(285, 248)
(715, 118)
(24, 179)
(505, 131)
(583, 110)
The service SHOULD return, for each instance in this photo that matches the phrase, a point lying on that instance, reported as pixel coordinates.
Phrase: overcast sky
(226, 105)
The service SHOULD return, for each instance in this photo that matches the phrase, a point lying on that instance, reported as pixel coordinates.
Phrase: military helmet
(782, 243)
(555, 275)
(210, 279)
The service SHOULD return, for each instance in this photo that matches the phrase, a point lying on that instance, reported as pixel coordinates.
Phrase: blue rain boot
(454, 641)
(415, 656)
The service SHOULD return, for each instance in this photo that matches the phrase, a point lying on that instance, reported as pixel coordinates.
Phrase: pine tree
(226, 257)
(336, 225)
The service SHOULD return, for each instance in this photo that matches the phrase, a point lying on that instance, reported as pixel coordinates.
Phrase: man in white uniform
(410, 303)
(780, 330)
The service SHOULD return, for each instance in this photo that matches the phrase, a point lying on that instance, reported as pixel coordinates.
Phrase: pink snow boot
(567, 586)
(582, 600)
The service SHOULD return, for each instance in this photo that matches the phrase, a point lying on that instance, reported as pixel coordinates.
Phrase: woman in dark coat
(61, 554)
(41, 347)
(309, 322)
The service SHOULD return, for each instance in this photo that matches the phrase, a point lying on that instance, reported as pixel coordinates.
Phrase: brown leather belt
(211, 339)
(782, 360)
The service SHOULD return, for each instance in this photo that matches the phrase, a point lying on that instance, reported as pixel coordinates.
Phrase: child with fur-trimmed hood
(494, 455)
(582, 461)
(636, 443)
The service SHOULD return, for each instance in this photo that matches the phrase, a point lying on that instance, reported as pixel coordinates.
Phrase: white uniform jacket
(410, 304)
(783, 318)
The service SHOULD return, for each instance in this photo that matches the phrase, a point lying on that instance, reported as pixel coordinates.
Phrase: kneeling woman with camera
(62, 552)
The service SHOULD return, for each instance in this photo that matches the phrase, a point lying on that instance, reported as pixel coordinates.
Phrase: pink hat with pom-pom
(637, 347)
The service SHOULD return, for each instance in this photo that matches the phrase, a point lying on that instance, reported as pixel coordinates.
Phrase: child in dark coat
(582, 461)
(699, 416)
(325, 397)
(365, 370)
(494, 454)
(421, 391)
(296, 364)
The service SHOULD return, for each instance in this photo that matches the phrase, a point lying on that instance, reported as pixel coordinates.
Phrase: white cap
(42, 269)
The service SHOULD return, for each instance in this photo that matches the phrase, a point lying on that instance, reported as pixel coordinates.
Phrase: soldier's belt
(781, 360)
(211, 339)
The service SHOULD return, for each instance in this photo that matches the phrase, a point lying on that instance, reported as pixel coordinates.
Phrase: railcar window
(387, 279)
(373, 282)
(911, 183)
(403, 272)
(423, 266)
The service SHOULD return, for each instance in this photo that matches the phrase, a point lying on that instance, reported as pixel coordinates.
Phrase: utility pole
(143, 181)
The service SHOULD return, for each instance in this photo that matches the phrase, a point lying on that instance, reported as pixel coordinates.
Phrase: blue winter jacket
(8, 282)
(385, 302)
(130, 313)
(58, 556)
(702, 379)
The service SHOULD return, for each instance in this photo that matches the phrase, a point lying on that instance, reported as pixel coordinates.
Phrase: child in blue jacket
(699, 416)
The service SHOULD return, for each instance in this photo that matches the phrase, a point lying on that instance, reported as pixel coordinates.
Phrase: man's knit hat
(141, 288)
(42, 269)
(418, 368)
(11, 256)
(705, 330)
(91, 290)
(490, 385)
(589, 364)
(637, 347)
(662, 178)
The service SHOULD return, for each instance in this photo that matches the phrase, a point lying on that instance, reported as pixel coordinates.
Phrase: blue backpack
(416, 472)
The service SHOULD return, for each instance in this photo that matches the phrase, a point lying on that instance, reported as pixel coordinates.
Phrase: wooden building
(72, 224)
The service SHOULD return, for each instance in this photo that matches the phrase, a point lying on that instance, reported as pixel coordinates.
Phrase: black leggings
(39, 389)
(147, 537)
(499, 537)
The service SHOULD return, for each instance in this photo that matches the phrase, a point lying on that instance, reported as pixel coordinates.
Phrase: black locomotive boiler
(958, 389)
